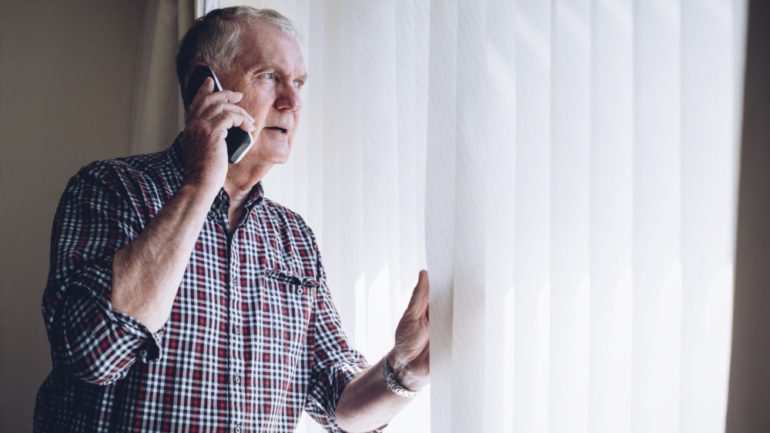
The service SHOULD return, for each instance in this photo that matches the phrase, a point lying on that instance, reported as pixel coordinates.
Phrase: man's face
(270, 73)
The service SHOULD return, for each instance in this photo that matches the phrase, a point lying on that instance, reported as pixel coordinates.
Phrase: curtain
(566, 171)
(157, 114)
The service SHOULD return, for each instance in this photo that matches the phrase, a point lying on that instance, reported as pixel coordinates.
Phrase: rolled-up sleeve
(335, 363)
(88, 338)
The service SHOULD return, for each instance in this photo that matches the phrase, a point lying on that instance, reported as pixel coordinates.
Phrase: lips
(277, 129)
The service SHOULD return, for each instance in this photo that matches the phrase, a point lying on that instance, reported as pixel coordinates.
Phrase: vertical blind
(567, 172)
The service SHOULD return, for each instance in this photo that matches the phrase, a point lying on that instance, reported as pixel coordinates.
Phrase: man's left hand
(410, 358)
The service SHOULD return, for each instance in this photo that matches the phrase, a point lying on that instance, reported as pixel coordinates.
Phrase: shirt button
(237, 429)
(237, 379)
(236, 330)
(299, 291)
(143, 354)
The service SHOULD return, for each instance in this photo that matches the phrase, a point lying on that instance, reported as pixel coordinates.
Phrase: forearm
(367, 403)
(147, 272)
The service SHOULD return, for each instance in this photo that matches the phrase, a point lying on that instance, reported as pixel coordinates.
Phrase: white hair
(214, 38)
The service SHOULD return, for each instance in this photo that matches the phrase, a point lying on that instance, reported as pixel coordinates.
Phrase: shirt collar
(255, 196)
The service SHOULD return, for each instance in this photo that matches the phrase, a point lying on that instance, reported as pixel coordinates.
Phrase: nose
(288, 98)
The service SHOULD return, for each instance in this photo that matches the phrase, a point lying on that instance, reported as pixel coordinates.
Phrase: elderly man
(180, 299)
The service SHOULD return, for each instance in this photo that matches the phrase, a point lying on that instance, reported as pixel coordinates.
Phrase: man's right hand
(204, 151)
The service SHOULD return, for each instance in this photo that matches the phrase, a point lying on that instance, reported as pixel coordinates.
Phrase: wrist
(404, 375)
(199, 189)
(393, 383)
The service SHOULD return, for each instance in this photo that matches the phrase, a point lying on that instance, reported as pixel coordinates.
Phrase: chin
(275, 153)
(276, 157)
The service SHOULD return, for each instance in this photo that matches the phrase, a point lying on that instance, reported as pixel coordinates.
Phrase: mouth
(277, 129)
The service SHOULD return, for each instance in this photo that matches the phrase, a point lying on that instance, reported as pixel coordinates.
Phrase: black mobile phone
(238, 141)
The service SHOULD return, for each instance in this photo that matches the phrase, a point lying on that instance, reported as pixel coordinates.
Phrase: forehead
(263, 43)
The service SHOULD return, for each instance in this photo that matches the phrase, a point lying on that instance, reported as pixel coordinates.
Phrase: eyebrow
(260, 67)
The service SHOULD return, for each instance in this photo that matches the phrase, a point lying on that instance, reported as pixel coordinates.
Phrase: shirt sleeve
(88, 338)
(335, 364)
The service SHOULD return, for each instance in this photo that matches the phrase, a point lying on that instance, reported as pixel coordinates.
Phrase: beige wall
(67, 70)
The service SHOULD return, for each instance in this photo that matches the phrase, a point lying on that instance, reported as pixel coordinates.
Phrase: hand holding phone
(238, 141)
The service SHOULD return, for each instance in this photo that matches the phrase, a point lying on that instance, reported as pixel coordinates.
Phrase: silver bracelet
(392, 382)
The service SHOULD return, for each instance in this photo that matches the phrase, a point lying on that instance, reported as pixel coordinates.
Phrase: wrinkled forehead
(265, 44)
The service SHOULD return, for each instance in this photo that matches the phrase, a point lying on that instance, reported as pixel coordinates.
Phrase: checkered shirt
(253, 337)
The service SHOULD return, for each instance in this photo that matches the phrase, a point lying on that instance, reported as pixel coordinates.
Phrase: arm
(92, 341)
(148, 271)
(367, 402)
(113, 282)
(94, 337)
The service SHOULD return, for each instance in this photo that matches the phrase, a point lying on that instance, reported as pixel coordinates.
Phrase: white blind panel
(468, 339)
(611, 183)
(570, 282)
(709, 178)
(440, 204)
(567, 171)
(499, 229)
(532, 253)
(657, 252)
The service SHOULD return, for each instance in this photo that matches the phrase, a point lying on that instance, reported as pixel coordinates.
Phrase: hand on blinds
(410, 357)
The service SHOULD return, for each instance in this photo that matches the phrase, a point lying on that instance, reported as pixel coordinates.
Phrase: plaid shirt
(253, 337)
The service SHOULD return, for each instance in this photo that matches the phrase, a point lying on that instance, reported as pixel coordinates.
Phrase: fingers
(418, 304)
(224, 97)
(206, 97)
(216, 111)
(228, 119)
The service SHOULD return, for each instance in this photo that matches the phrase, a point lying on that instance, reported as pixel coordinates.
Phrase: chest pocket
(289, 300)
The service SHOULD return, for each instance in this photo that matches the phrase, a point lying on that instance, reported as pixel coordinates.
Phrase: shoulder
(127, 174)
(139, 185)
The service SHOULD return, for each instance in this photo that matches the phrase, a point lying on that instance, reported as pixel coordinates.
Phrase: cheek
(257, 106)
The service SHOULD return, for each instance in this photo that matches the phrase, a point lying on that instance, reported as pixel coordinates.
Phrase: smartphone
(238, 141)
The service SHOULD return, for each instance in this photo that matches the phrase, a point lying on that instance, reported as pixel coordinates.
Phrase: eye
(298, 84)
(268, 75)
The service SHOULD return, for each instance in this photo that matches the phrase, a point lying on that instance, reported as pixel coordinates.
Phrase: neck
(242, 177)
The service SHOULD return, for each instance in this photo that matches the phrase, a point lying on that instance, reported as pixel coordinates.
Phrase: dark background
(67, 74)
